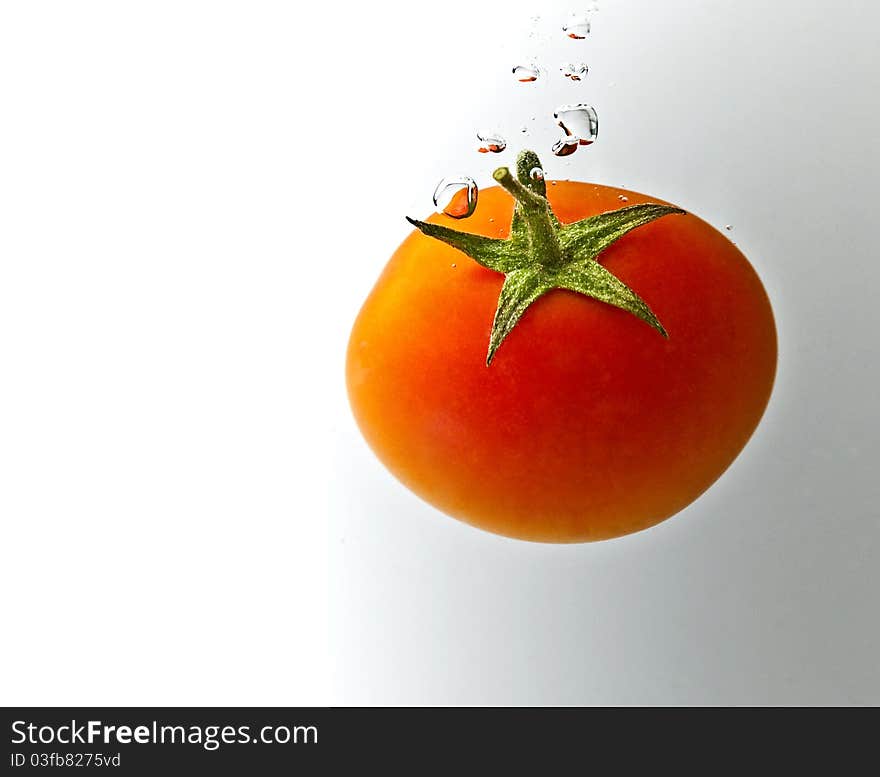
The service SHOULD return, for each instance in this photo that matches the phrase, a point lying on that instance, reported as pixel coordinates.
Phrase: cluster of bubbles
(457, 196)
(575, 72)
(579, 122)
(529, 73)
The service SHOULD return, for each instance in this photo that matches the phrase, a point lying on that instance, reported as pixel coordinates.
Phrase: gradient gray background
(765, 590)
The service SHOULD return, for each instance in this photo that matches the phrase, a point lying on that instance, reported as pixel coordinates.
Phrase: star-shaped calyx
(542, 254)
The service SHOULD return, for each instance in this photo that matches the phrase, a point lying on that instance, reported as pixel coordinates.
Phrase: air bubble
(575, 72)
(578, 121)
(536, 174)
(577, 26)
(490, 143)
(526, 73)
(456, 197)
(565, 146)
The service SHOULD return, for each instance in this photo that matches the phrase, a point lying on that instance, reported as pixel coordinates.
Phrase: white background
(194, 200)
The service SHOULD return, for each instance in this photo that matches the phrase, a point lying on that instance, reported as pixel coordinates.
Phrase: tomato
(588, 423)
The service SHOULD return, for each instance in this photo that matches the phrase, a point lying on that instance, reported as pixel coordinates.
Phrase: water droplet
(526, 73)
(490, 142)
(622, 198)
(454, 266)
(536, 174)
(575, 72)
(578, 26)
(456, 197)
(525, 130)
(565, 146)
(553, 183)
(728, 227)
(578, 121)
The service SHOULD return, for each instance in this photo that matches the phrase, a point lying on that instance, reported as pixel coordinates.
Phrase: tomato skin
(588, 424)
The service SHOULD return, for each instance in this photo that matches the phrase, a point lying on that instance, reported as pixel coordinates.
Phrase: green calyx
(541, 254)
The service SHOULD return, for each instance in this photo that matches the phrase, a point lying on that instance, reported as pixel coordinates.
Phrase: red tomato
(588, 424)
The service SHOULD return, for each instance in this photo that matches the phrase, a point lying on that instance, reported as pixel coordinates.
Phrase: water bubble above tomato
(490, 143)
(577, 26)
(565, 146)
(575, 72)
(456, 196)
(578, 121)
(526, 73)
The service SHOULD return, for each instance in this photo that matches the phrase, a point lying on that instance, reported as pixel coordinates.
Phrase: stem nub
(535, 212)
(526, 161)
(524, 196)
